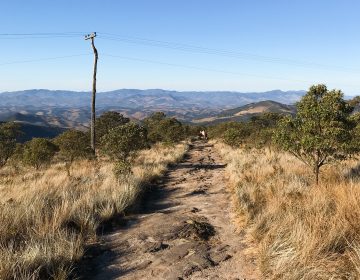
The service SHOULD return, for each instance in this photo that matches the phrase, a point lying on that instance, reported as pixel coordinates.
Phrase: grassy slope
(303, 231)
(48, 217)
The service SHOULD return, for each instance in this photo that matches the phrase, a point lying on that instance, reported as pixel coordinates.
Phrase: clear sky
(238, 45)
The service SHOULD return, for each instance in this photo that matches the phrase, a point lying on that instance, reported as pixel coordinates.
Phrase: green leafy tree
(8, 134)
(192, 131)
(234, 137)
(124, 140)
(321, 131)
(261, 129)
(38, 152)
(107, 121)
(163, 129)
(218, 130)
(73, 144)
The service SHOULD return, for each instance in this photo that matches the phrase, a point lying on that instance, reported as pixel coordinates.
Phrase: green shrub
(235, 137)
(8, 134)
(163, 129)
(38, 152)
(107, 121)
(124, 140)
(73, 144)
(256, 132)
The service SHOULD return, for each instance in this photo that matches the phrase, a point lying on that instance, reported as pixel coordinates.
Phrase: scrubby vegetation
(123, 140)
(49, 214)
(38, 152)
(164, 129)
(322, 130)
(8, 134)
(107, 121)
(256, 133)
(303, 230)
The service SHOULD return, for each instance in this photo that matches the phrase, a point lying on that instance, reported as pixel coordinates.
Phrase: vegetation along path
(184, 230)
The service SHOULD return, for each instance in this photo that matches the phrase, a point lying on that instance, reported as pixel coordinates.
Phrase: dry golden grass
(303, 231)
(48, 217)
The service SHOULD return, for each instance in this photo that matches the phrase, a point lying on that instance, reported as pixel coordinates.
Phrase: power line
(169, 45)
(165, 64)
(43, 59)
(225, 53)
(40, 34)
(181, 47)
(211, 69)
(20, 36)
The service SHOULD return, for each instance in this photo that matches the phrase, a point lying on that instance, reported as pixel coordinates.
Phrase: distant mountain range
(134, 98)
(72, 109)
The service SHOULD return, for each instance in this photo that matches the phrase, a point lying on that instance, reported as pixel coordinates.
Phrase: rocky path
(184, 230)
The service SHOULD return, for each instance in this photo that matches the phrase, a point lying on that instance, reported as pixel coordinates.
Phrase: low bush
(73, 144)
(38, 152)
(123, 141)
(8, 134)
(257, 132)
(163, 129)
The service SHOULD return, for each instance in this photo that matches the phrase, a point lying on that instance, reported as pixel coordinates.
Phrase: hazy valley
(72, 109)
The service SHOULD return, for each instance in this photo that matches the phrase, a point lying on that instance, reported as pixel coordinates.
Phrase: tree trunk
(317, 171)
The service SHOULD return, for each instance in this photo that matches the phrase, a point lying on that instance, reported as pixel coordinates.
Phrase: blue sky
(250, 45)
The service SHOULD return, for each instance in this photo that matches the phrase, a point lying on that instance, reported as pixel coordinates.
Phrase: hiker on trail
(203, 135)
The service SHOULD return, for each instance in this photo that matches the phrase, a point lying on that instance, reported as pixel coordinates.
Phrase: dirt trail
(184, 232)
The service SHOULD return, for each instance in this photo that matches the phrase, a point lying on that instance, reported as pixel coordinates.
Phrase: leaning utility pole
(88, 37)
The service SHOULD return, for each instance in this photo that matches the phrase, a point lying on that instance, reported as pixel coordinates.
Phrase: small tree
(8, 134)
(123, 141)
(235, 137)
(163, 129)
(107, 121)
(73, 144)
(321, 131)
(38, 152)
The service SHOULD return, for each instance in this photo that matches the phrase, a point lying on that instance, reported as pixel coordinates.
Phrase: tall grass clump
(303, 231)
(48, 217)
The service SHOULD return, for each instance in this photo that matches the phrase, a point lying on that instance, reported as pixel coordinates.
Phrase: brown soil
(184, 230)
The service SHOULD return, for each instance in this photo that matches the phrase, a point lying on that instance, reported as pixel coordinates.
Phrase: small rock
(195, 210)
(155, 247)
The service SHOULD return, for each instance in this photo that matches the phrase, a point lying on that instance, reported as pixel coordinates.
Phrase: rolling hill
(245, 112)
(72, 109)
(29, 131)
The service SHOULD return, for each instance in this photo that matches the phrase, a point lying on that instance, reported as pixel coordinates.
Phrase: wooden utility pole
(93, 116)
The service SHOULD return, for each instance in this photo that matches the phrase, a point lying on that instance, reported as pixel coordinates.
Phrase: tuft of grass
(303, 231)
(48, 217)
